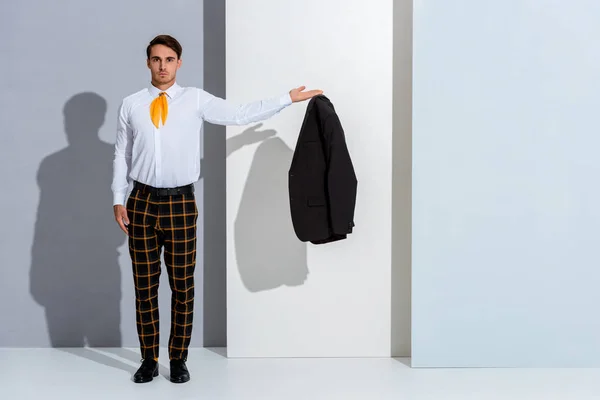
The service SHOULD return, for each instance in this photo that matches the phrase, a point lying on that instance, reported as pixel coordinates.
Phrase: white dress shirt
(169, 156)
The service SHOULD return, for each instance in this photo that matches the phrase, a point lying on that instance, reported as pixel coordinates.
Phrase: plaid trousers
(168, 222)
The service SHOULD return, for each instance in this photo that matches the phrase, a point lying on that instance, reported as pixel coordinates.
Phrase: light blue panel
(506, 183)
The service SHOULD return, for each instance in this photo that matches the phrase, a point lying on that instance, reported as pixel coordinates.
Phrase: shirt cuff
(119, 198)
(286, 99)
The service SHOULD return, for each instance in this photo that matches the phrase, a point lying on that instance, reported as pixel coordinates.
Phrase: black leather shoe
(147, 371)
(179, 372)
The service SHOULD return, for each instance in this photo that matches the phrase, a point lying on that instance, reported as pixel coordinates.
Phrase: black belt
(187, 189)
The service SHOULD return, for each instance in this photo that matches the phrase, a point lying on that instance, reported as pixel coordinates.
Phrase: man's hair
(165, 40)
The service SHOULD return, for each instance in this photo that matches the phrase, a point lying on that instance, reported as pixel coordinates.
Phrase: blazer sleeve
(341, 181)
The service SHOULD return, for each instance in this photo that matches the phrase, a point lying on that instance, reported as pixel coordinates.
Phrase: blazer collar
(320, 97)
(324, 101)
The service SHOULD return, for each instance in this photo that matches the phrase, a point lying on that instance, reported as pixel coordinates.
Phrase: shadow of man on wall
(75, 273)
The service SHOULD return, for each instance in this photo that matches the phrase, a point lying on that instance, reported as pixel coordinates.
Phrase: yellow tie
(159, 109)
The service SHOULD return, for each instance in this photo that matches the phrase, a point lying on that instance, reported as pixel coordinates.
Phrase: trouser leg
(144, 248)
(178, 218)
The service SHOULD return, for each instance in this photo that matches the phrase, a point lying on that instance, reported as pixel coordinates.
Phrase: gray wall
(213, 174)
(401, 180)
(66, 275)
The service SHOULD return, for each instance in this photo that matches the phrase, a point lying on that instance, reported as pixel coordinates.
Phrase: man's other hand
(121, 217)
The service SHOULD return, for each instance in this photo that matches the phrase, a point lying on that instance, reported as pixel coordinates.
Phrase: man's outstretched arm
(222, 112)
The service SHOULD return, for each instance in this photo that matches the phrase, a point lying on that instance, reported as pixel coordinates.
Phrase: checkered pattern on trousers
(157, 222)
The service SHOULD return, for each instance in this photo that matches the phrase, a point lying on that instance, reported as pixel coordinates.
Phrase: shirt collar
(171, 92)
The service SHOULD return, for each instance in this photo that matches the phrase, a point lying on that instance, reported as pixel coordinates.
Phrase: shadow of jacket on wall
(268, 253)
(75, 273)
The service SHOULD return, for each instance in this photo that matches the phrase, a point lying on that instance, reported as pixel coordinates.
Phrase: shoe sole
(182, 380)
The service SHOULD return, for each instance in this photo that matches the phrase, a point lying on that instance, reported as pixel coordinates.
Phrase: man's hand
(298, 94)
(121, 217)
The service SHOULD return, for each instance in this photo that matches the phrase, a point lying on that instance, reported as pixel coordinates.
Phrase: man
(157, 147)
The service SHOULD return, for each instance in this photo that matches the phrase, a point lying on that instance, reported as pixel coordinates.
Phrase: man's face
(163, 64)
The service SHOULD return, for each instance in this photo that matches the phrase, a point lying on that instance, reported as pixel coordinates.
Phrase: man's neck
(164, 86)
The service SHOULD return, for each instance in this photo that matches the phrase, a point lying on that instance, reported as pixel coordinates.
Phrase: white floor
(106, 374)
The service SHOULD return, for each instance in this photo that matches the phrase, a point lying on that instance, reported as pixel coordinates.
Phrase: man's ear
(179, 63)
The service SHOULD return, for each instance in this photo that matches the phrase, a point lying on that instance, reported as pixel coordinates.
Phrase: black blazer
(321, 179)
